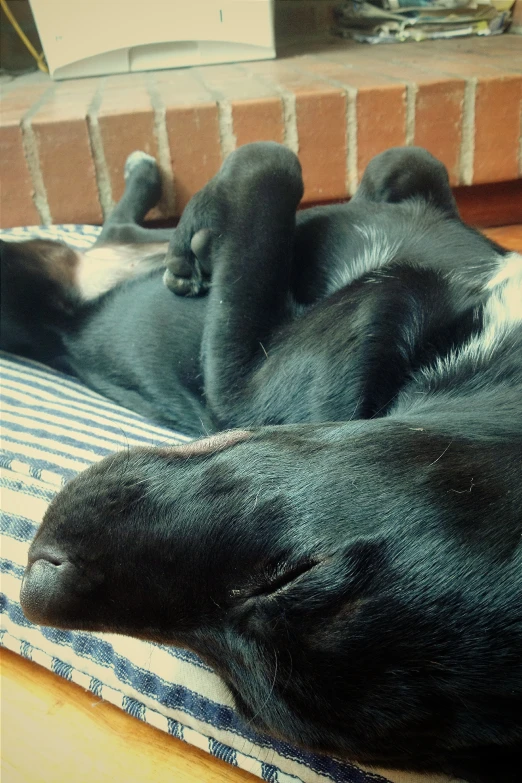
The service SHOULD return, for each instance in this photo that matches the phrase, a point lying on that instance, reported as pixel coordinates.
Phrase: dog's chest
(369, 248)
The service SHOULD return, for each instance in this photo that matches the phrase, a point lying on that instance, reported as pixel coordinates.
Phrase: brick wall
(63, 145)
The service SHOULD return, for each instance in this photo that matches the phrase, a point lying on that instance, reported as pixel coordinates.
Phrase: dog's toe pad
(185, 286)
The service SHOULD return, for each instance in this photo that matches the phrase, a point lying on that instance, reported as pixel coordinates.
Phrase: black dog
(358, 584)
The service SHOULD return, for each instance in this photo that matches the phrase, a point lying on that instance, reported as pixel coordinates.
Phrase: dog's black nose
(44, 586)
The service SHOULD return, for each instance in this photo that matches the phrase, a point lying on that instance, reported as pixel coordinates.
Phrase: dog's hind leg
(45, 284)
(405, 173)
(402, 173)
(125, 250)
(240, 229)
(335, 243)
(142, 192)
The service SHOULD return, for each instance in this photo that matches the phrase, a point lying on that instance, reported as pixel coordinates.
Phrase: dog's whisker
(205, 430)
(440, 456)
(255, 501)
(356, 406)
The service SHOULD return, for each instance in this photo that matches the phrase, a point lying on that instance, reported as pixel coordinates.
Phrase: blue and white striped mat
(52, 428)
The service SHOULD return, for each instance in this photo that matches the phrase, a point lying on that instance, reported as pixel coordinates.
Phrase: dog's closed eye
(275, 579)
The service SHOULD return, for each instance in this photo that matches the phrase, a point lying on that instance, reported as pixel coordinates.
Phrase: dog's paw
(188, 273)
(189, 256)
(254, 175)
(263, 170)
(143, 171)
(141, 159)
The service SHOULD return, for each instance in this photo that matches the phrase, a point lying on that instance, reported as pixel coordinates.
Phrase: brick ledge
(63, 145)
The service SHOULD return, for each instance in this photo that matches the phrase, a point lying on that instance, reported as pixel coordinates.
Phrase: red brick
(191, 118)
(259, 119)
(257, 111)
(16, 204)
(17, 101)
(16, 188)
(62, 137)
(497, 129)
(321, 128)
(465, 65)
(465, 51)
(335, 69)
(259, 96)
(496, 45)
(438, 122)
(498, 95)
(383, 108)
(380, 103)
(499, 49)
(438, 105)
(193, 135)
(126, 122)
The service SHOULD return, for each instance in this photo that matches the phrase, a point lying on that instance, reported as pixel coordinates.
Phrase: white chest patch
(106, 266)
(378, 250)
(502, 311)
(505, 304)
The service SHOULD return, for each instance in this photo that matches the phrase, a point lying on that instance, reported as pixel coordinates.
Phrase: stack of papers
(393, 21)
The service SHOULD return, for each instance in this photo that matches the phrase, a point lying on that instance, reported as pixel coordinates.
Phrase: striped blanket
(52, 428)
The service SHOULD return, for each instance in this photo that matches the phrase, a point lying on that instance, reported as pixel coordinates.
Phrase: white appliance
(95, 37)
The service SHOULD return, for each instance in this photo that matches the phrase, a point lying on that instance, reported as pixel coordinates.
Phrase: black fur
(355, 572)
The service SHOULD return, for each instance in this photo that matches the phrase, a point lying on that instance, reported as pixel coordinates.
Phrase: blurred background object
(16, 23)
(259, 28)
(97, 37)
(516, 23)
(396, 21)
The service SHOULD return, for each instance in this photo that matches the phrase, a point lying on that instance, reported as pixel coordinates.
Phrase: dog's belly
(343, 358)
(140, 346)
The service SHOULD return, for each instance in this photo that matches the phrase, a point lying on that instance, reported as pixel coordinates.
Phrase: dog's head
(312, 567)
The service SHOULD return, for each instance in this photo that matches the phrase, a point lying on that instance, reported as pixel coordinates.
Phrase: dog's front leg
(239, 231)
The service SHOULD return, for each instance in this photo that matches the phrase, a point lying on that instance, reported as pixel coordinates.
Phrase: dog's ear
(210, 445)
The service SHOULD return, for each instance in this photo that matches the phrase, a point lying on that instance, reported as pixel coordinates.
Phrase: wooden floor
(54, 731)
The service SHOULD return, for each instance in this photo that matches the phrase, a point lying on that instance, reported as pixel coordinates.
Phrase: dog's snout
(52, 585)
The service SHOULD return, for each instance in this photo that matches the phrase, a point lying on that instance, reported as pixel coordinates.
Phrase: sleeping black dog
(349, 559)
